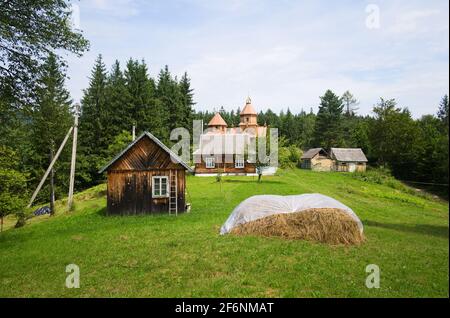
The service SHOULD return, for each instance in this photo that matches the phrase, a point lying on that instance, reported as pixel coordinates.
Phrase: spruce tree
(119, 104)
(328, 130)
(187, 101)
(94, 120)
(169, 94)
(51, 119)
(147, 111)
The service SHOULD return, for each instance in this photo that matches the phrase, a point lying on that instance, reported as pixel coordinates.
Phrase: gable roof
(217, 120)
(348, 154)
(312, 152)
(158, 142)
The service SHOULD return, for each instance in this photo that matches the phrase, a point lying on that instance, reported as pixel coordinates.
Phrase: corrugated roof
(217, 120)
(311, 153)
(348, 154)
(158, 142)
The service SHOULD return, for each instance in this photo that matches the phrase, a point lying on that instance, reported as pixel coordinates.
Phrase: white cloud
(284, 55)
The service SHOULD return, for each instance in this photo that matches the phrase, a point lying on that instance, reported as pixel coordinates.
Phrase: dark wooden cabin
(146, 177)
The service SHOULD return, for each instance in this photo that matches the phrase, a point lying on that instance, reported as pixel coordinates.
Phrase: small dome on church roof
(248, 108)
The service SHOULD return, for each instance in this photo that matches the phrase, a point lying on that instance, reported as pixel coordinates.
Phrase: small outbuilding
(316, 159)
(146, 177)
(348, 159)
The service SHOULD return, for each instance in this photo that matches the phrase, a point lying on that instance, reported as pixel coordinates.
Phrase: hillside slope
(148, 256)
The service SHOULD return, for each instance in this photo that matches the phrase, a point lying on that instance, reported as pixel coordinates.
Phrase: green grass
(184, 256)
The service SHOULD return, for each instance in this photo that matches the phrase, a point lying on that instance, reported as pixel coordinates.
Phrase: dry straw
(332, 226)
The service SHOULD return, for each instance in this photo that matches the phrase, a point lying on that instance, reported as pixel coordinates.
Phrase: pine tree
(350, 103)
(168, 93)
(51, 119)
(120, 108)
(328, 130)
(306, 123)
(288, 127)
(187, 101)
(94, 120)
(147, 111)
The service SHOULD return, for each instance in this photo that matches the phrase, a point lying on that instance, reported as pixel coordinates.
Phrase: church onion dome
(217, 120)
(248, 108)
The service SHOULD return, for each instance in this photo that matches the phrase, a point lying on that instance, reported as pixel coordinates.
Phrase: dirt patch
(332, 226)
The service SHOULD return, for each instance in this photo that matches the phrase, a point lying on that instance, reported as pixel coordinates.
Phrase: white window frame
(160, 188)
(210, 162)
(239, 163)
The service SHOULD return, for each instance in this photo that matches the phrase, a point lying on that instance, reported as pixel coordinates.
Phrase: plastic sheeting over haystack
(261, 206)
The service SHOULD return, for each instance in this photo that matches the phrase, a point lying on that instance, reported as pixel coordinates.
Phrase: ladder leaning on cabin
(173, 200)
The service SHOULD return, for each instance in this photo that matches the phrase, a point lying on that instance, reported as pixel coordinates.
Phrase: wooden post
(73, 161)
(52, 181)
(49, 168)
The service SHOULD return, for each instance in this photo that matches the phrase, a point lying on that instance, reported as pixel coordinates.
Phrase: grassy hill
(148, 256)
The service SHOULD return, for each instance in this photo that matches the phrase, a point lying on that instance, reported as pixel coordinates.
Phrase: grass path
(163, 256)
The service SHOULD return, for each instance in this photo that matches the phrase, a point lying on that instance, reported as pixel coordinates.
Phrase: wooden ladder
(173, 199)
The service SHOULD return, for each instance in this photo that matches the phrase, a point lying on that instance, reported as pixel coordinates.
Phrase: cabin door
(351, 167)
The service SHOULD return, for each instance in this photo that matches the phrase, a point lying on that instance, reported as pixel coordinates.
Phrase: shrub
(289, 157)
(383, 176)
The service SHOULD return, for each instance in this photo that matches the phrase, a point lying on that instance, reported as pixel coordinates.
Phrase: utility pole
(49, 168)
(134, 132)
(52, 181)
(74, 155)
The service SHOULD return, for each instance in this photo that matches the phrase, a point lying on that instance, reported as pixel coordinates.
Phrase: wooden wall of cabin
(130, 192)
(344, 166)
(321, 163)
(318, 163)
(223, 167)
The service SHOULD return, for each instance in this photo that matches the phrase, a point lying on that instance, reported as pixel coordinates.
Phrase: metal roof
(312, 152)
(158, 142)
(348, 154)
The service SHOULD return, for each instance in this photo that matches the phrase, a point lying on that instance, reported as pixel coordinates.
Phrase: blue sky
(283, 53)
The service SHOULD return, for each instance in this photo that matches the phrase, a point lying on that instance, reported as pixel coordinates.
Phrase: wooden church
(209, 162)
(146, 177)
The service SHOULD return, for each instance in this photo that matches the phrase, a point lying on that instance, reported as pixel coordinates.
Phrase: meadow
(166, 256)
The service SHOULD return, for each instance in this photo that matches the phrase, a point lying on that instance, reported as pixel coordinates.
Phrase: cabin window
(210, 162)
(239, 163)
(160, 186)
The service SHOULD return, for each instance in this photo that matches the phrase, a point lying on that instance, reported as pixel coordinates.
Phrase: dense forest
(36, 111)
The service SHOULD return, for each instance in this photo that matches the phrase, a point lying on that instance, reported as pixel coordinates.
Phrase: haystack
(333, 226)
(313, 217)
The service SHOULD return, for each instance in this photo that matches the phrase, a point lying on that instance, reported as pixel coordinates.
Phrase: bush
(289, 157)
(383, 176)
